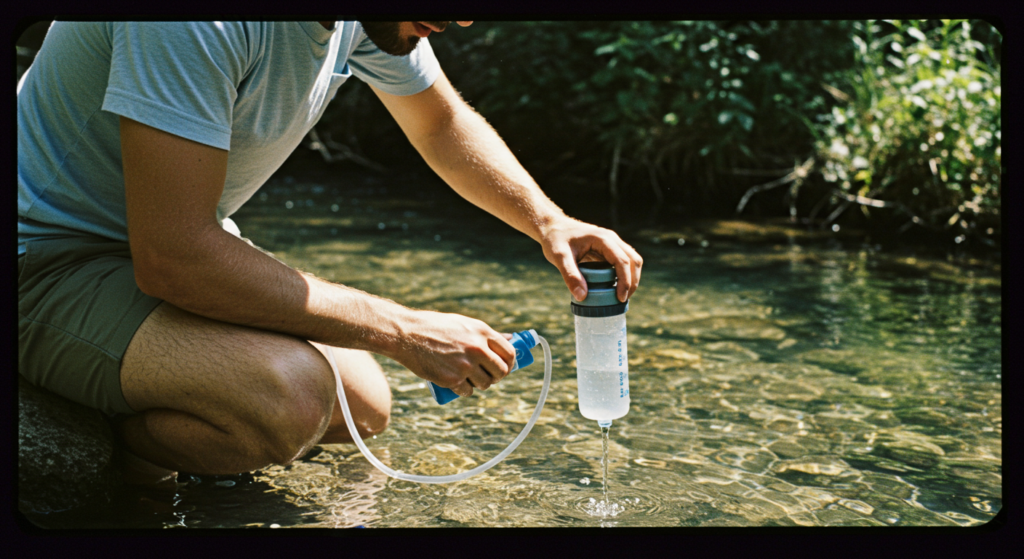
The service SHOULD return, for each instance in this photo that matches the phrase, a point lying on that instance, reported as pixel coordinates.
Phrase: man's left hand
(567, 242)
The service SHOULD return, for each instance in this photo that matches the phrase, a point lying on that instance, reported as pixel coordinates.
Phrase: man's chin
(387, 37)
(410, 46)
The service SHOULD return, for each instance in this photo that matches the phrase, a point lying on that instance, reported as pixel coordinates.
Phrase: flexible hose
(453, 477)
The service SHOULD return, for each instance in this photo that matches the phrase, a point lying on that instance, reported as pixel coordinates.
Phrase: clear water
(605, 508)
(604, 395)
(773, 385)
(602, 366)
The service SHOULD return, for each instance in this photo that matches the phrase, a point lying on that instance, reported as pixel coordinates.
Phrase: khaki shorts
(78, 307)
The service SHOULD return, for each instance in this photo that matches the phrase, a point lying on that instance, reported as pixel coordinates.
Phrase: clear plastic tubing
(453, 477)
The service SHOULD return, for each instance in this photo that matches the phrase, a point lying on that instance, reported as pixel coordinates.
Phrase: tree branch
(344, 152)
(798, 172)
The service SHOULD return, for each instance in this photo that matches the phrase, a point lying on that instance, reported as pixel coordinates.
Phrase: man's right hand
(455, 351)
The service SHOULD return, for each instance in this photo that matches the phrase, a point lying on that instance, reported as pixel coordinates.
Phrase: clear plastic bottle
(602, 363)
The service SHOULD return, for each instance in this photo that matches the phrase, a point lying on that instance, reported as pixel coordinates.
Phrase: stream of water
(771, 385)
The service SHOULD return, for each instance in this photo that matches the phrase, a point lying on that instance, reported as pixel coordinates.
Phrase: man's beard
(386, 35)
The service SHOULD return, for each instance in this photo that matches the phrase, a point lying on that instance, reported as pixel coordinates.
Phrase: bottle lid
(601, 299)
(597, 272)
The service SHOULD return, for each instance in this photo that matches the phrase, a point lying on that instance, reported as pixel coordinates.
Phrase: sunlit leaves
(923, 118)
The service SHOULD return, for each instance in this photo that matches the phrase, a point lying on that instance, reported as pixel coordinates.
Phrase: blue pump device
(522, 341)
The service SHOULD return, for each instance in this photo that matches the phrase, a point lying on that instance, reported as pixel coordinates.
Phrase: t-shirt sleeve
(179, 77)
(397, 75)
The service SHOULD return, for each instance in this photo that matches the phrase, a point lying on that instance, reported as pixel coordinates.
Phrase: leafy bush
(683, 101)
(919, 126)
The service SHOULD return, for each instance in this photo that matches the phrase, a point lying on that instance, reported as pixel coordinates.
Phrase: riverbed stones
(845, 361)
(754, 460)
(730, 352)
(441, 460)
(883, 418)
(915, 451)
(727, 328)
(813, 465)
(65, 451)
(924, 416)
(676, 354)
(787, 448)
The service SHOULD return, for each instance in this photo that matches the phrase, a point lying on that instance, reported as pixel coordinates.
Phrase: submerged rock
(845, 361)
(813, 465)
(918, 453)
(65, 451)
(728, 328)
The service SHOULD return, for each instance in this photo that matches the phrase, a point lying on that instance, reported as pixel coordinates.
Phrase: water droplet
(381, 226)
(835, 227)
(334, 207)
(437, 237)
(289, 204)
(681, 241)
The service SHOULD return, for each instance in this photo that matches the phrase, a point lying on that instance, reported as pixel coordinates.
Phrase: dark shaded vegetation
(890, 126)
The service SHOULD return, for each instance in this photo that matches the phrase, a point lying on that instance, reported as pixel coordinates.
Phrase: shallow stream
(771, 385)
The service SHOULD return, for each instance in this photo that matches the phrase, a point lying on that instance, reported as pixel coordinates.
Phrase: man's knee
(298, 408)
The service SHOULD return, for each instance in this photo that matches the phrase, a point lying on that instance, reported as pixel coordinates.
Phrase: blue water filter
(523, 342)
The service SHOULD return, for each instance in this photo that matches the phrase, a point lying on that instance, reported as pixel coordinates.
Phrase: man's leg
(367, 393)
(218, 398)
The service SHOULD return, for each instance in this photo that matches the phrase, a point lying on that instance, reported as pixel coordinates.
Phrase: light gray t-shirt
(253, 88)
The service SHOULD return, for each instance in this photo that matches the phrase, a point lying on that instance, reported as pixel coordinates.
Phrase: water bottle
(602, 368)
(521, 341)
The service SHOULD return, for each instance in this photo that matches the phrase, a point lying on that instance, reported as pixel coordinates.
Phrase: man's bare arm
(468, 154)
(182, 255)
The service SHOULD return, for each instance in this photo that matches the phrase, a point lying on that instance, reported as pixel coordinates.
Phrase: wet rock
(840, 422)
(883, 418)
(813, 465)
(813, 499)
(442, 460)
(748, 459)
(791, 390)
(924, 416)
(879, 484)
(678, 355)
(785, 448)
(65, 451)
(839, 360)
(731, 352)
(915, 452)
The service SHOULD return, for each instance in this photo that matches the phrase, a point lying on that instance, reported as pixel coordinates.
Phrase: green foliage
(920, 121)
(685, 99)
(902, 111)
